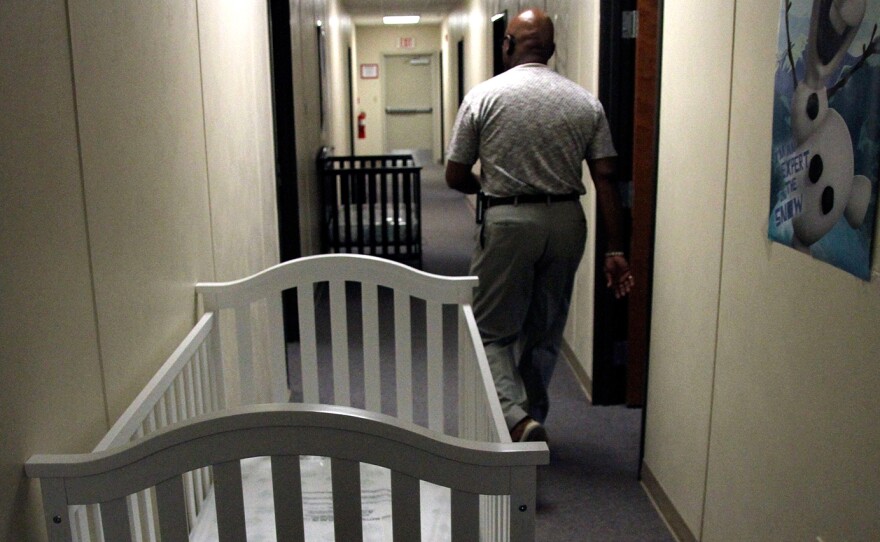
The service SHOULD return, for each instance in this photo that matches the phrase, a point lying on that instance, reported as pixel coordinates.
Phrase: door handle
(407, 110)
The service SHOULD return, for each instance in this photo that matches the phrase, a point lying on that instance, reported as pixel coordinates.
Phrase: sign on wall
(369, 71)
(826, 131)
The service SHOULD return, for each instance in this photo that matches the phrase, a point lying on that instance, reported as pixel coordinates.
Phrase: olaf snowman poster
(826, 131)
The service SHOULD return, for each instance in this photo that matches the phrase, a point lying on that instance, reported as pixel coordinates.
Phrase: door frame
(436, 98)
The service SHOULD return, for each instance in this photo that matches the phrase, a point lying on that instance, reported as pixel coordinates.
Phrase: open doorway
(628, 88)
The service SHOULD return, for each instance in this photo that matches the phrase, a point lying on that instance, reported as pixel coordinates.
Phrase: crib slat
(339, 339)
(146, 516)
(229, 501)
(182, 414)
(287, 492)
(201, 387)
(277, 349)
(135, 518)
(372, 374)
(203, 405)
(395, 209)
(187, 404)
(383, 197)
(197, 409)
(215, 368)
(97, 528)
(244, 338)
(434, 322)
(308, 343)
(79, 524)
(465, 516)
(172, 510)
(405, 507)
(403, 358)
(347, 518)
(114, 518)
(465, 379)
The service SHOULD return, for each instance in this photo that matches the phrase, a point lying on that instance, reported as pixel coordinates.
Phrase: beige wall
(763, 384)
(51, 389)
(142, 147)
(373, 43)
(340, 36)
(690, 206)
(137, 159)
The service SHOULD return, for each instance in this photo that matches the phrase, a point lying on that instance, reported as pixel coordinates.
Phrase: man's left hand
(618, 277)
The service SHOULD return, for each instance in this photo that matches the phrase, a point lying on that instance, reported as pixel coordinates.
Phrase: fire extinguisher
(362, 125)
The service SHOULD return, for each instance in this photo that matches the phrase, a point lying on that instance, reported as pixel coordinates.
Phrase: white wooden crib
(176, 450)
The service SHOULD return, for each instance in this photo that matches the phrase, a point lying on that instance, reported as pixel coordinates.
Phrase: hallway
(139, 159)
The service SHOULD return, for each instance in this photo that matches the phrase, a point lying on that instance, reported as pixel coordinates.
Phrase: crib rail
(187, 385)
(285, 432)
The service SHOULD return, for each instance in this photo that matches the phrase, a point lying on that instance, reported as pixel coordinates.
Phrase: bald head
(532, 31)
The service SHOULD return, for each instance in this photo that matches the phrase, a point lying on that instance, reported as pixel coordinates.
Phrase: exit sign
(407, 43)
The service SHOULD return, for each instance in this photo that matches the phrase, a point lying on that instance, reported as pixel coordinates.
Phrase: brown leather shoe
(528, 430)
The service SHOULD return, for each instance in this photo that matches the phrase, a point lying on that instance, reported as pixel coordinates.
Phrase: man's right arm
(460, 177)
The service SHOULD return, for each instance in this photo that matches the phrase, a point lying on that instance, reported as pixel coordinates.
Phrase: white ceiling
(371, 11)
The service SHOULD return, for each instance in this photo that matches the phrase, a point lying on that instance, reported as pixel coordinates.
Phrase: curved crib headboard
(235, 300)
(284, 432)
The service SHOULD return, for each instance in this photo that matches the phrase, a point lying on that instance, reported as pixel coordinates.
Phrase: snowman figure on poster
(824, 184)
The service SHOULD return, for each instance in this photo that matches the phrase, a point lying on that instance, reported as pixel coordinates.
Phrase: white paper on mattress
(364, 231)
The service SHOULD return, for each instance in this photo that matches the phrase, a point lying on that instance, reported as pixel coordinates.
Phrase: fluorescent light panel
(400, 19)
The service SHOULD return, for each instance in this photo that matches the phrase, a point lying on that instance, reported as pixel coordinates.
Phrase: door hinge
(630, 25)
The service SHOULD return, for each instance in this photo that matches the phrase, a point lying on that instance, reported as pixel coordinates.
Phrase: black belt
(484, 201)
(492, 201)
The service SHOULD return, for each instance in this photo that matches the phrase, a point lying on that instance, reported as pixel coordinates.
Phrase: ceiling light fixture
(401, 19)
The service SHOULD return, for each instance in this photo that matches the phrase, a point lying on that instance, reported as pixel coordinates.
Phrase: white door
(409, 103)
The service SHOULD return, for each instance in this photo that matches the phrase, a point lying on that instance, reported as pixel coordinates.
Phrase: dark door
(616, 91)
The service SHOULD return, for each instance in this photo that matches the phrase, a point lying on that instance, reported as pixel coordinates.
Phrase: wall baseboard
(580, 375)
(664, 506)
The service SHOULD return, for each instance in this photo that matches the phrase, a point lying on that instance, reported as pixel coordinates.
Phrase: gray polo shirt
(531, 129)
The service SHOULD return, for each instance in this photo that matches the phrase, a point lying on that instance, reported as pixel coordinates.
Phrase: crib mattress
(318, 504)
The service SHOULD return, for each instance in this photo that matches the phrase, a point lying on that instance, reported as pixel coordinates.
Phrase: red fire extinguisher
(362, 125)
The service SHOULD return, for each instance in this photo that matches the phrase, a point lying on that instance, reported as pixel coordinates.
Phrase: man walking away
(532, 129)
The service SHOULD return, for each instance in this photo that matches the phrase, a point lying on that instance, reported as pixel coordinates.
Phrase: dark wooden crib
(372, 205)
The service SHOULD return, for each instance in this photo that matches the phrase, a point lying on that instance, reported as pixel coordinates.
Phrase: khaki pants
(526, 257)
